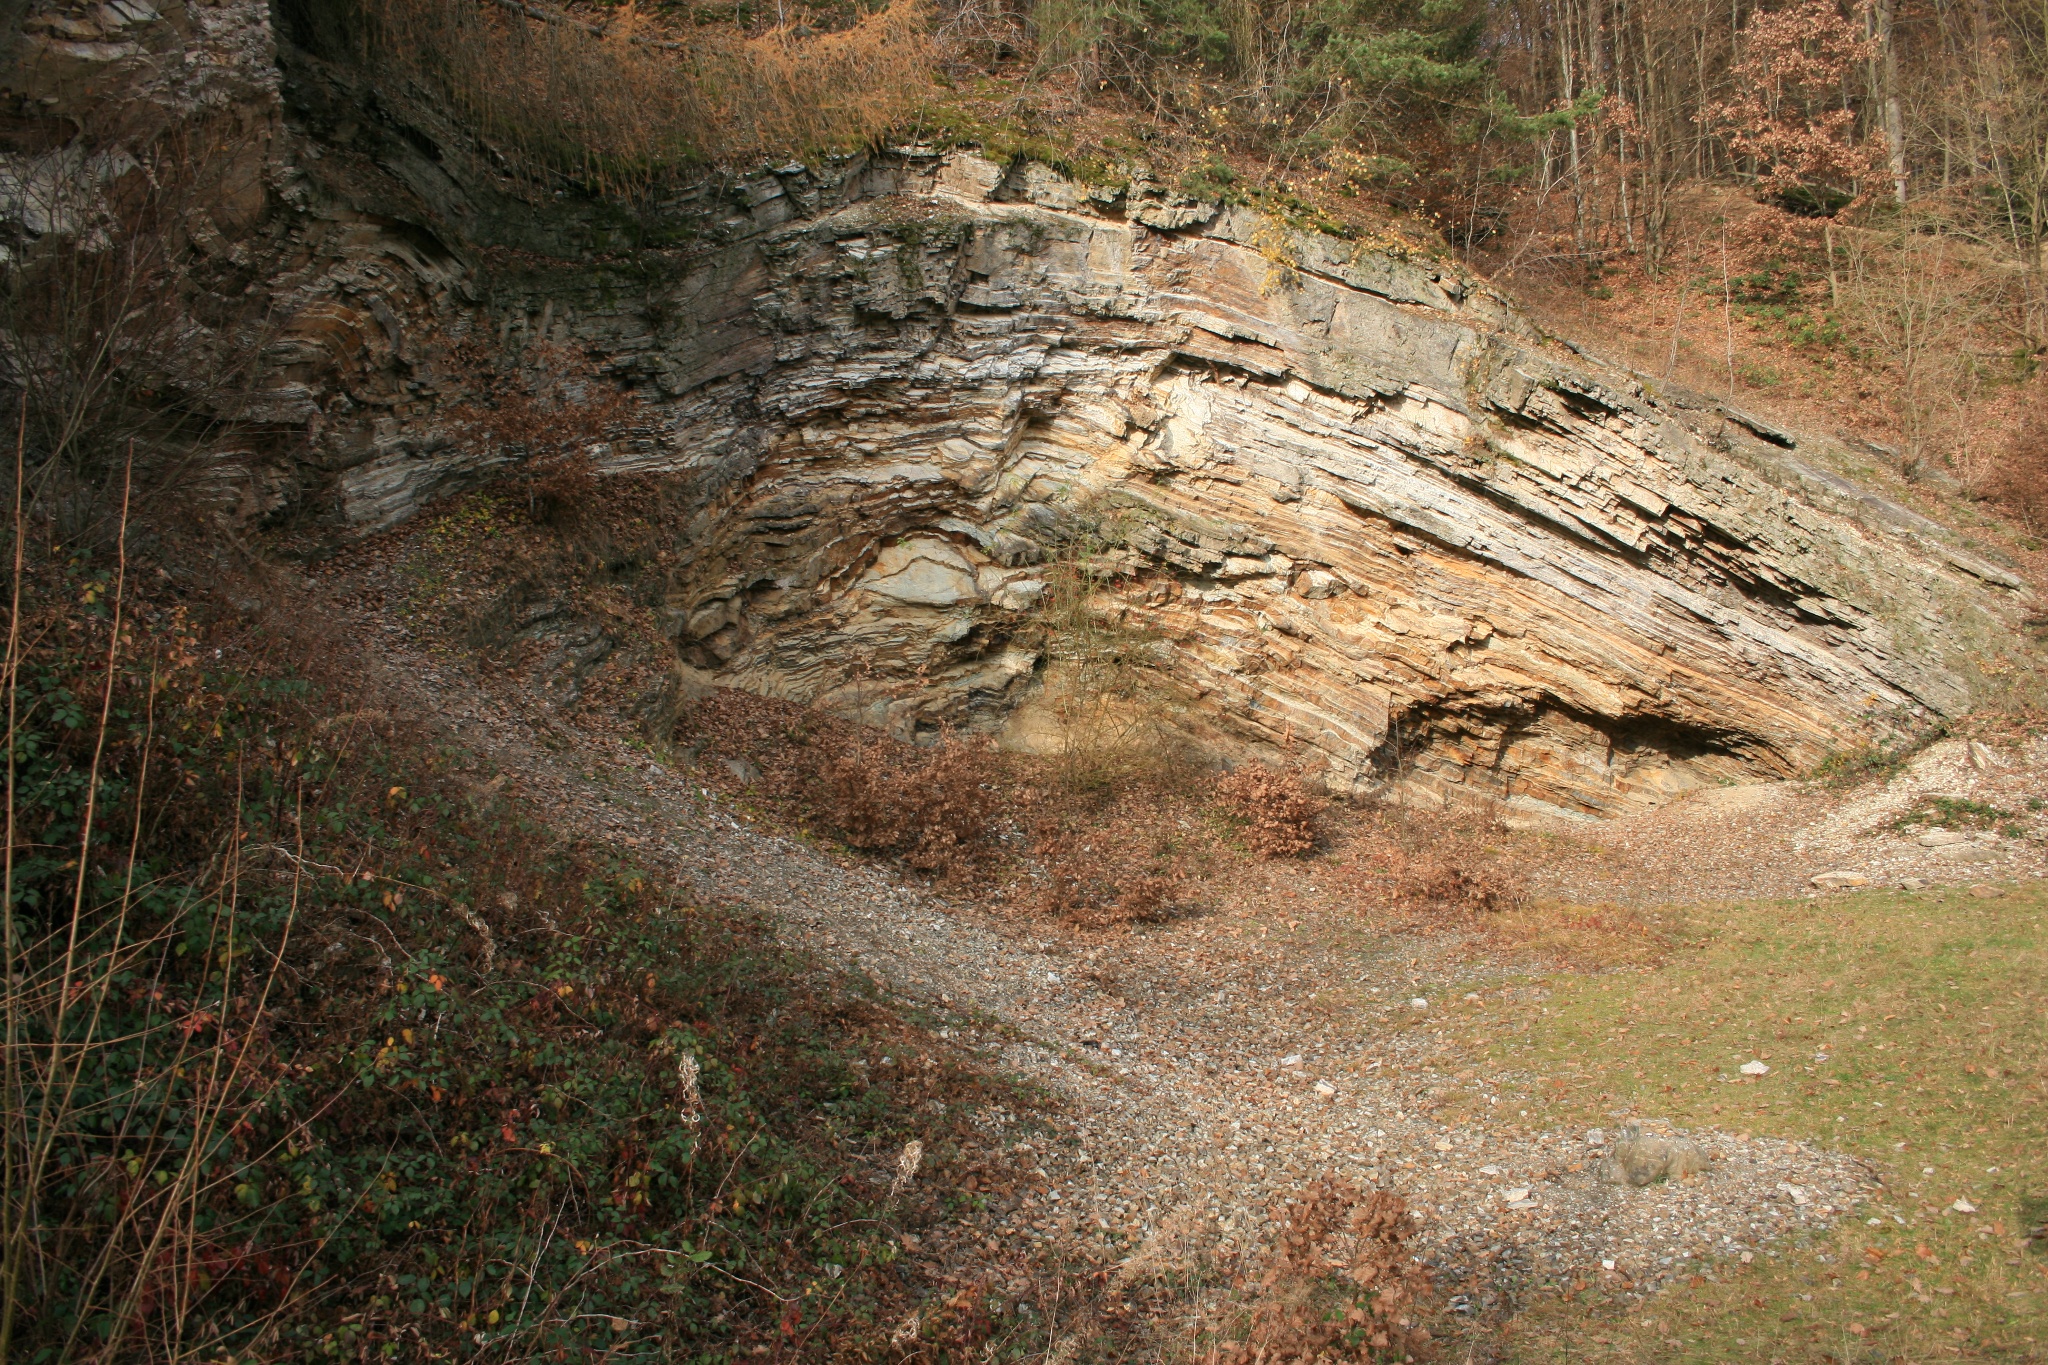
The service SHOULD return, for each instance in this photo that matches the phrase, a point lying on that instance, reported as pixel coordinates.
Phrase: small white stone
(1418, 1003)
(1755, 1069)
(1609, 1265)
(1325, 1089)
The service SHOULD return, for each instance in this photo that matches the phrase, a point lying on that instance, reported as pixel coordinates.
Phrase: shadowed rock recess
(1355, 512)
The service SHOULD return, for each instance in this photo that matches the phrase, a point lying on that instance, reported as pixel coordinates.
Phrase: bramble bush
(1340, 1285)
(317, 1052)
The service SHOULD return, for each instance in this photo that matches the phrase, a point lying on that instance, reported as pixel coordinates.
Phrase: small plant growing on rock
(1279, 817)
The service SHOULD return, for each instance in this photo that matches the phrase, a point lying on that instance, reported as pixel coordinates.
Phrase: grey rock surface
(1642, 1158)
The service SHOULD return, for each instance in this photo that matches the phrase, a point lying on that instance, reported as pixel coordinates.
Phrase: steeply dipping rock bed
(1345, 497)
(1355, 513)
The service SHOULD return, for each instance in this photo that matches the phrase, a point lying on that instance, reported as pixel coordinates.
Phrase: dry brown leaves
(1341, 1284)
(1443, 870)
(929, 807)
(958, 810)
(1279, 817)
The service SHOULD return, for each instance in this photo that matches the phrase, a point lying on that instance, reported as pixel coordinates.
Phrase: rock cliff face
(1348, 506)
(1350, 494)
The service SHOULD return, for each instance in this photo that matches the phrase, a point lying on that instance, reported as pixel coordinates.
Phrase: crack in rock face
(1336, 506)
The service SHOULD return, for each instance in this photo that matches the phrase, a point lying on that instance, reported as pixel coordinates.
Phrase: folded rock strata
(1343, 505)
(1346, 505)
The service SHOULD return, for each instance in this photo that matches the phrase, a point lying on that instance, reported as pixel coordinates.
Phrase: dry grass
(1586, 937)
(619, 103)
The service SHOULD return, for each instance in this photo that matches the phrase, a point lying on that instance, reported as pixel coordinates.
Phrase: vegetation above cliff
(1863, 189)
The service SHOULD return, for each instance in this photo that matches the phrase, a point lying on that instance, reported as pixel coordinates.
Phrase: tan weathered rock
(1357, 511)
(1354, 512)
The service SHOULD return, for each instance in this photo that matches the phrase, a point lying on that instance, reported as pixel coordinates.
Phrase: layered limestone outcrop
(1357, 512)
(1343, 502)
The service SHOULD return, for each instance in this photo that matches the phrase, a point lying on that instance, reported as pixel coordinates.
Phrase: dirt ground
(1206, 1066)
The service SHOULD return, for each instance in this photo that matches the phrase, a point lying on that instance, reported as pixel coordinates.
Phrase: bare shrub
(1917, 296)
(126, 348)
(1095, 892)
(1279, 817)
(1341, 1284)
(2020, 478)
(928, 807)
(1101, 857)
(1457, 880)
(620, 102)
(1433, 868)
(1092, 856)
(545, 407)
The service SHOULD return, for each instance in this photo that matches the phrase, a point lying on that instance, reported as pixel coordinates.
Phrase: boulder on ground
(1641, 1158)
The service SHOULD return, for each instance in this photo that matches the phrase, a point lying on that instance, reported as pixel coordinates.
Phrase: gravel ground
(1772, 839)
(1210, 1065)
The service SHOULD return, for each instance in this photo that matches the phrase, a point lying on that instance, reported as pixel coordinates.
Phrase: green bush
(317, 1052)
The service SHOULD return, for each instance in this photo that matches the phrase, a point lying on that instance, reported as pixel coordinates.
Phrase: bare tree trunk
(1886, 82)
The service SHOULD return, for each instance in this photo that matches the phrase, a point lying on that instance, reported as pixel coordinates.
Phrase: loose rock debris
(1192, 1101)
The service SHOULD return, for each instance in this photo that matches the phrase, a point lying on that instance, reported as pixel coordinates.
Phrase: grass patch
(1905, 1029)
(1953, 812)
(1853, 767)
